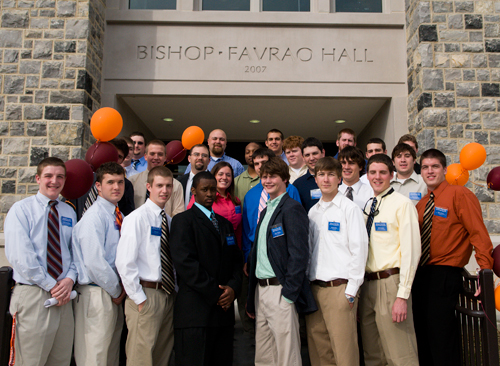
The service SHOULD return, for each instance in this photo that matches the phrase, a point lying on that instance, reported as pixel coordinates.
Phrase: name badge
(277, 231)
(333, 226)
(156, 231)
(316, 194)
(66, 221)
(237, 209)
(230, 240)
(380, 226)
(441, 212)
(415, 196)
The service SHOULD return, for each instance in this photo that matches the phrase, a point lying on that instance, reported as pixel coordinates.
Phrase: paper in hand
(53, 301)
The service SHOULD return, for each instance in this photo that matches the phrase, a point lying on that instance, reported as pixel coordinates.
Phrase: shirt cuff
(403, 293)
(71, 274)
(351, 289)
(139, 297)
(48, 284)
(288, 301)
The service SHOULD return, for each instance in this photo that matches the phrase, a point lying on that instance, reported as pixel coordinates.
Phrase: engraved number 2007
(255, 69)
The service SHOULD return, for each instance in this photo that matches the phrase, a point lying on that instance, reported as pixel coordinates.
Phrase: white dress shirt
(361, 192)
(138, 253)
(187, 194)
(95, 239)
(26, 239)
(338, 242)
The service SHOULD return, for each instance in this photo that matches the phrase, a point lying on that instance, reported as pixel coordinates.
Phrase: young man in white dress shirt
(98, 310)
(352, 161)
(338, 247)
(145, 266)
(38, 246)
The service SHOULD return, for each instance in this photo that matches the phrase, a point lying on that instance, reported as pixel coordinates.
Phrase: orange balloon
(106, 124)
(497, 298)
(456, 175)
(472, 156)
(192, 136)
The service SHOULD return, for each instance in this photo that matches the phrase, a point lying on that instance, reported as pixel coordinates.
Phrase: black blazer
(203, 260)
(288, 255)
(184, 180)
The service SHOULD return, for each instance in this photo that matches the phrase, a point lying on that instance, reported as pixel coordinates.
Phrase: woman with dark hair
(226, 203)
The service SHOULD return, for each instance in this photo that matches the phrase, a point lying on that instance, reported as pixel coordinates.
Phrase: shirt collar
(108, 206)
(336, 201)
(384, 193)
(308, 175)
(274, 203)
(218, 159)
(191, 175)
(44, 200)
(439, 189)
(355, 187)
(204, 210)
(413, 177)
(153, 207)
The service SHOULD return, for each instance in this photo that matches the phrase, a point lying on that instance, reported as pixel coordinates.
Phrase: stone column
(50, 82)
(454, 84)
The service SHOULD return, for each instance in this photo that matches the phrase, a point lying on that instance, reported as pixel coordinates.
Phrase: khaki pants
(150, 332)
(385, 342)
(277, 339)
(43, 336)
(332, 331)
(98, 327)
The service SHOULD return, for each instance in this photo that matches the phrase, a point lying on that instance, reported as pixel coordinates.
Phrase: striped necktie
(118, 219)
(426, 231)
(264, 197)
(348, 193)
(54, 258)
(167, 268)
(135, 162)
(369, 222)
(214, 221)
(91, 198)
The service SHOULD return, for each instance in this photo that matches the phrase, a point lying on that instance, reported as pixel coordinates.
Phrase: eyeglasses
(138, 143)
(376, 212)
(198, 154)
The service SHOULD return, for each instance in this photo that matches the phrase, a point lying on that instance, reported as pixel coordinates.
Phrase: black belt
(381, 275)
(269, 282)
(333, 283)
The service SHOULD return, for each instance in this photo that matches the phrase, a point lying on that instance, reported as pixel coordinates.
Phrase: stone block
(479, 61)
(60, 152)
(67, 84)
(453, 75)
(26, 175)
(57, 23)
(8, 69)
(464, 6)
(70, 74)
(15, 18)
(459, 116)
(78, 153)
(483, 75)
(425, 139)
(467, 89)
(435, 117)
(13, 84)
(25, 4)
(427, 33)
(45, 4)
(492, 30)
(8, 186)
(457, 131)
(442, 6)
(39, 141)
(32, 81)
(32, 188)
(490, 90)
(37, 129)
(67, 97)
(41, 96)
(26, 54)
(52, 70)
(451, 47)
(15, 146)
(492, 45)
(21, 189)
(450, 86)
(460, 60)
(4, 128)
(42, 50)
(491, 121)
(491, 18)
(453, 36)
(26, 99)
(444, 100)
(36, 34)
(10, 56)
(30, 67)
(473, 21)
(481, 137)
(7, 201)
(494, 61)
(484, 194)
(8, 172)
(447, 146)
(38, 154)
(469, 75)
(67, 134)
(455, 21)
(442, 133)
(10, 38)
(49, 84)
(39, 23)
(495, 137)
(485, 7)
(483, 105)
(442, 60)
(424, 101)
(54, 34)
(475, 36)
(432, 79)
(77, 28)
(65, 46)
(13, 112)
(66, 8)
(57, 113)
(472, 47)
(17, 128)
(33, 111)
(75, 61)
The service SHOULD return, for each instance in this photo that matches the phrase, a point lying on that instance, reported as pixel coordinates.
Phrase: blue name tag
(315, 194)
(156, 231)
(66, 221)
(415, 196)
(441, 212)
(237, 209)
(277, 231)
(380, 226)
(230, 240)
(333, 226)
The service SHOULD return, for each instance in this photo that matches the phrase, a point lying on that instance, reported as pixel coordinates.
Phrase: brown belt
(269, 282)
(333, 283)
(382, 274)
(155, 285)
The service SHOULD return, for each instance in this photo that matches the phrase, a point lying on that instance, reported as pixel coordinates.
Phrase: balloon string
(480, 185)
(173, 158)
(93, 153)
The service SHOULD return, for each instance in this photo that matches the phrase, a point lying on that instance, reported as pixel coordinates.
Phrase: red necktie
(119, 219)
(54, 258)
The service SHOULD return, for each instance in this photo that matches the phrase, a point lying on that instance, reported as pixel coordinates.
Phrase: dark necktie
(91, 198)
(135, 162)
(215, 222)
(54, 258)
(167, 269)
(426, 231)
(348, 193)
(147, 195)
(371, 216)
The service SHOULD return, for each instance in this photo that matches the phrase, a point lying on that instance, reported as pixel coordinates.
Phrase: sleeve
(239, 169)
(246, 244)
(471, 217)
(20, 250)
(358, 247)
(132, 235)
(187, 265)
(313, 228)
(409, 241)
(177, 198)
(237, 261)
(294, 193)
(72, 272)
(188, 169)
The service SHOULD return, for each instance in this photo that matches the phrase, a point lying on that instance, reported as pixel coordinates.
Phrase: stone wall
(454, 84)
(50, 83)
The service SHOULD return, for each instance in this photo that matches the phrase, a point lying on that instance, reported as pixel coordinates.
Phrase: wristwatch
(350, 299)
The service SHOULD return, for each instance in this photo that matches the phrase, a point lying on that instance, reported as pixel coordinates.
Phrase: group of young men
(387, 245)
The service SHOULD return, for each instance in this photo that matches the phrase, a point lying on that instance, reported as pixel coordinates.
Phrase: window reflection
(358, 6)
(226, 5)
(286, 5)
(152, 4)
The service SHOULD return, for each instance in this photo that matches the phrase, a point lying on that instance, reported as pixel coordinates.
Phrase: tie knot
(349, 189)
(52, 203)
(432, 195)
(163, 215)
(117, 210)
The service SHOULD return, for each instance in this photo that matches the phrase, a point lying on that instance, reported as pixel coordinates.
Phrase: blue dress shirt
(25, 231)
(95, 239)
(141, 166)
(251, 212)
(305, 185)
(205, 210)
(235, 164)
(283, 157)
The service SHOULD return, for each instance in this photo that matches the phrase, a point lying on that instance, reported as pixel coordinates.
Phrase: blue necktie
(135, 162)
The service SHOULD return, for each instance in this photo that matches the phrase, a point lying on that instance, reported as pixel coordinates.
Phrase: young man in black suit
(278, 286)
(209, 266)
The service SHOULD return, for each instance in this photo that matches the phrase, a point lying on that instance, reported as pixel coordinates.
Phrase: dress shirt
(283, 157)
(361, 192)
(208, 213)
(306, 185)
(342, 253)
(399, 246)
(187, 193)
(251, 212)
(235, 164)
(225, 207)
(138, 254)
(364, 179)
(294, 175)
(243, 183)
(95, 238)
(414, 187)
(130, 171)
(453, 237)
(141, 166)
(26, 235)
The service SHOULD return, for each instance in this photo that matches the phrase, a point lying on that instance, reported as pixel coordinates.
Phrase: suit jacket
(203, 260)
(288, 255)
(173, 206)
(183, 179)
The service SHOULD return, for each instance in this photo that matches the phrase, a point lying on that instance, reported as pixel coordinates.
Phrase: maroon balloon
(496, 260)
(493, 179)
(175, 152)
(79, 179)
(100, 153)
